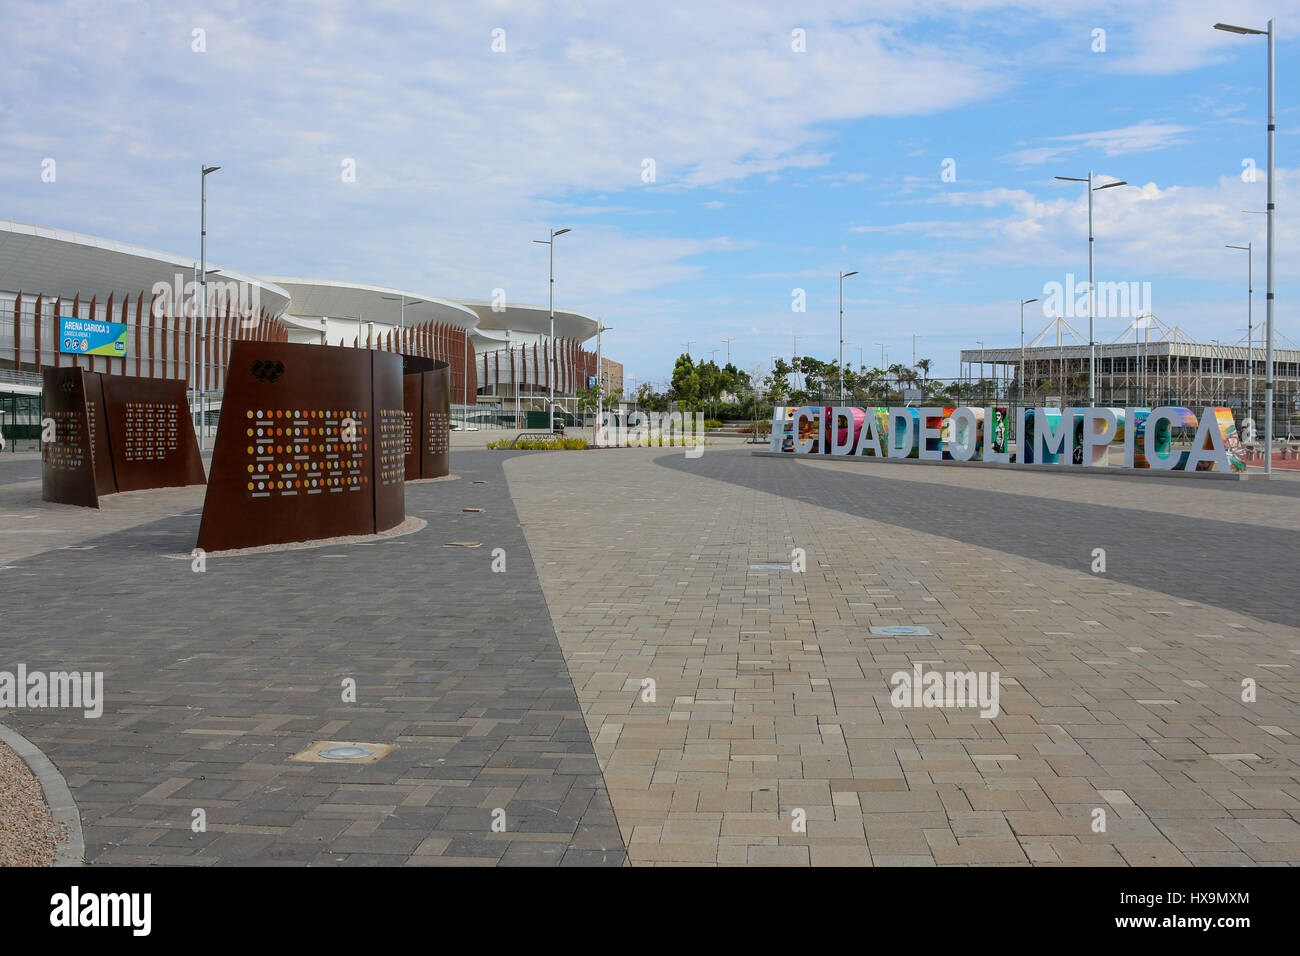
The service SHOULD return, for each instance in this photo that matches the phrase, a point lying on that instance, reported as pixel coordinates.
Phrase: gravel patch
(28, 833)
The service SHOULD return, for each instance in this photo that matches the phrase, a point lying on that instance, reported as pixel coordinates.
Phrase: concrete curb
(1106, 472)
(58, 797)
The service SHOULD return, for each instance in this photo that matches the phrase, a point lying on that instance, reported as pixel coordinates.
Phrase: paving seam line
(58, 797)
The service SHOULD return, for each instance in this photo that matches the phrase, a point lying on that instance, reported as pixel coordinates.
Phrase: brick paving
(770, 738)
(1120, 692)
(214, 680)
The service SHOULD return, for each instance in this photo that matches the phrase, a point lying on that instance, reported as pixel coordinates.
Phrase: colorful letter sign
(1047, 436)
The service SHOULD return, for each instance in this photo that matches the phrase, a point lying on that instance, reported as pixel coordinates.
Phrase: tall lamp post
(203, 302)
(1250, 329)
(1268, 299)
(402, 298)
(840, 370)
(550, 370)
(194, 351)
(600, 374)
(1023, 303)
(1092, 285)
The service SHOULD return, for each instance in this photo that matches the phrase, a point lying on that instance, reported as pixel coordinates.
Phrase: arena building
(153, 298)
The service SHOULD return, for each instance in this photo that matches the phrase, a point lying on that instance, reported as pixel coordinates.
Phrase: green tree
(686, 381)
(777, 383)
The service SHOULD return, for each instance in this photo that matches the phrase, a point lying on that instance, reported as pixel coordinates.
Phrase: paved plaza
(648, 681)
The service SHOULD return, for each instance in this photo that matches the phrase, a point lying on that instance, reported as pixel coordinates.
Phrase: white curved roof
(347, 300)
(521, 317)
(46, 261)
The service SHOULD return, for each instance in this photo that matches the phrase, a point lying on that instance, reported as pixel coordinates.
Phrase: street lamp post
(203, 302)
(1092, 284)
(550, 371)
(402, 298)
(600, 373)
(1268, 298)
(1023, 303)
(840, 370)
(1250, 329)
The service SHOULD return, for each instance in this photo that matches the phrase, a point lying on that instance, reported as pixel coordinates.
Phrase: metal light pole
(729, 341)
(1268, 344)
(194, 351)
(203, 302)
(1092, 284)
(1250, 327)
(402, 298)
(550, 371)
(840, 370)
(600, 374)
(1023, 303)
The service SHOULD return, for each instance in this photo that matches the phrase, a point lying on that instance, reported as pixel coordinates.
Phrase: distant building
(611, 376)
(1169, 369)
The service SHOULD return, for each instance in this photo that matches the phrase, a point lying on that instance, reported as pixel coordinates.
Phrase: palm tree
(898, 371)
(924, 365)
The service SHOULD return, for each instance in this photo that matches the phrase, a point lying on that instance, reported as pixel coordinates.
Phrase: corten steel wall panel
(387, 447)
(435, 423)
(67, 471)
(413, 413)
(281, 470)
(150, 432)
(101, 449)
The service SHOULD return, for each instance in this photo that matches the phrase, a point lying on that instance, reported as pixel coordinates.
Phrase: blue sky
(774, 169)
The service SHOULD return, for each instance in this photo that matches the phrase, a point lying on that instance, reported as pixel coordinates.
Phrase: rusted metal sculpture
(67, 459)
(114, 433)
(308, 446)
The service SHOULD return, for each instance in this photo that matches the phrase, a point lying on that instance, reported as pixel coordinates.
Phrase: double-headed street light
(1023, 303)
(1268, 300)
(550, 371)
(1092, 285)
(402, 299)
(843, 276)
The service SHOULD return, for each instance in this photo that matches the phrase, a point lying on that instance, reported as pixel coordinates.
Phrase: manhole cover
(474, 510)
(898, 630)
(462, 544)
(769, 567)
(346, 753)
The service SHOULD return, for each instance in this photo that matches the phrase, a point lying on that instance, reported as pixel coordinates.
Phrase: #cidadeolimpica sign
(1089, 437)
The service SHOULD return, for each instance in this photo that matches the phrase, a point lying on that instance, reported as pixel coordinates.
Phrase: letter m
(1053, 442)
(1115, 299)
(69, 688)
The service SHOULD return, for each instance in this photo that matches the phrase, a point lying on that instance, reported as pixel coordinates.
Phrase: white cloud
(1138, 138)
